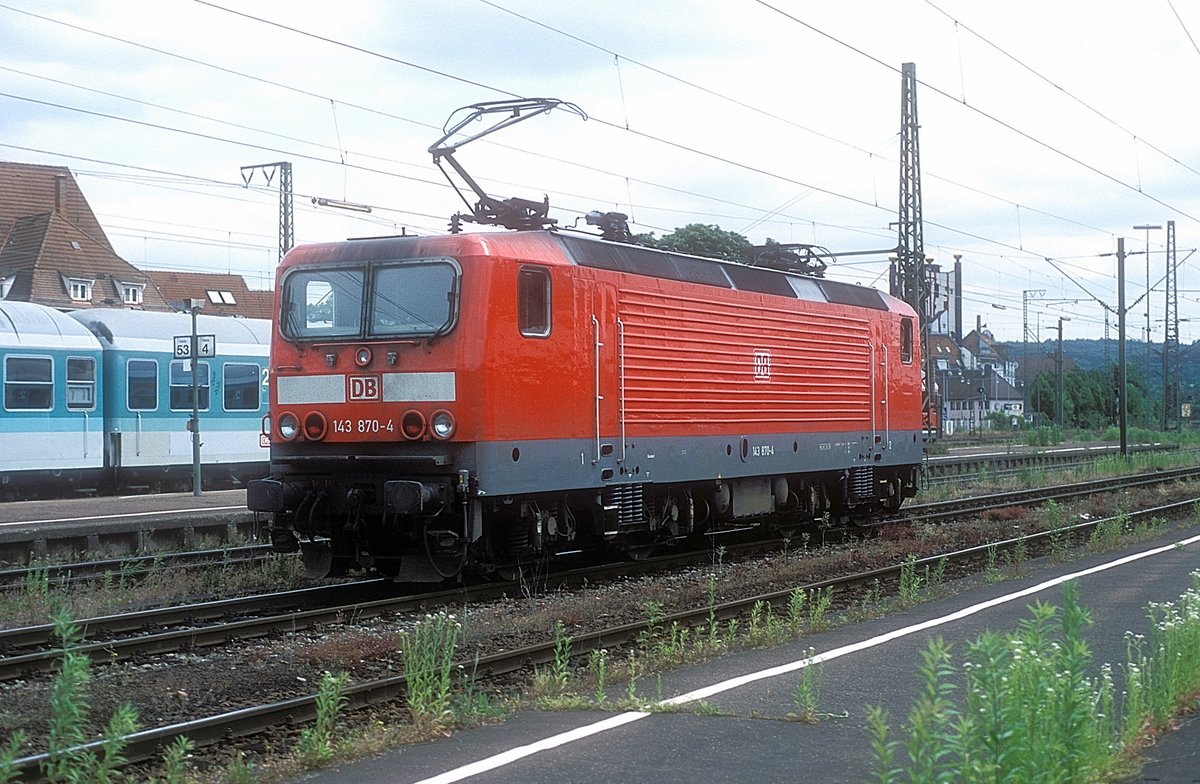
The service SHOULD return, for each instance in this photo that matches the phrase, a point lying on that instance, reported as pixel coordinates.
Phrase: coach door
(608, 379)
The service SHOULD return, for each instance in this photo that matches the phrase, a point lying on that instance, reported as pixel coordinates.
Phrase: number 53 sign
(206, 346)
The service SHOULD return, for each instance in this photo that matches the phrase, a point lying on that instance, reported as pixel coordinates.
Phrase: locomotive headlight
(289, 426)
(362, 357)
(441, 424)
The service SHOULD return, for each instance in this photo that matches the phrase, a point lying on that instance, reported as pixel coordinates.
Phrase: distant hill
(1099, 354)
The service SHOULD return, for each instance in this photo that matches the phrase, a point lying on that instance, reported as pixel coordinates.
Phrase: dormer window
(131, 293)
(80, 289)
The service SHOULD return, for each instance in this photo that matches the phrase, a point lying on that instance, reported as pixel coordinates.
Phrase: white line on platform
(126, 514)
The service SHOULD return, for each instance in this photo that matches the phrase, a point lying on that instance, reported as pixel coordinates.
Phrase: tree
(699, 239)
(1090, 397)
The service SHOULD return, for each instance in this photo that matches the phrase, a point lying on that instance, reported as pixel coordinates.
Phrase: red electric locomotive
(479, 400)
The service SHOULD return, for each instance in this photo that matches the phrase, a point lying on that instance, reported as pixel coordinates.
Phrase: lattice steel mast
(1172, 359)
(286, 232)
(909, 278)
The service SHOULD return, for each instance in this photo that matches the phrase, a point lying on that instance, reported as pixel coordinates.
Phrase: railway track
(297, 610)
(252, 720)
(136, 565)
(157, 631)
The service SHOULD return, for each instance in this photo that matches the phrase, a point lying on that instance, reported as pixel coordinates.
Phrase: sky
(1048, 130)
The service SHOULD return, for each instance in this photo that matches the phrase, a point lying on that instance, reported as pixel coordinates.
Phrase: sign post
(193, 347)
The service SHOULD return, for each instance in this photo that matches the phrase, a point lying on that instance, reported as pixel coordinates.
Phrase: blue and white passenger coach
(148, 396)
(51, 426)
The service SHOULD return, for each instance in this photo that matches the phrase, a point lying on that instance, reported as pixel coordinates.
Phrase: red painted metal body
(577, 372)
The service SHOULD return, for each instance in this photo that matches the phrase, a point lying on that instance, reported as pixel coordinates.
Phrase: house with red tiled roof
(223, 295)
(53, 250)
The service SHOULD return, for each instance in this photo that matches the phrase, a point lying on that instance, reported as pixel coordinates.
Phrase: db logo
(362, 387)
(762, 366)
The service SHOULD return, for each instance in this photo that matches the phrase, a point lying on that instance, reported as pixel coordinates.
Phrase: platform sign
(206, 346)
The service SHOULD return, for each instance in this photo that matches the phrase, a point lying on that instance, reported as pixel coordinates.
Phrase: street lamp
(1147, 228)
(1061, 319)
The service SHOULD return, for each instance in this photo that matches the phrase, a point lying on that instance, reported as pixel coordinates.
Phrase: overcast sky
(1048, 129)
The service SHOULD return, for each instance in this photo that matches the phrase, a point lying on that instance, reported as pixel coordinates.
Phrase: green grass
(1026, 706)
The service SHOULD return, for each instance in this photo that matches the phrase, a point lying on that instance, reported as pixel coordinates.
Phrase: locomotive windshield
(401, 299)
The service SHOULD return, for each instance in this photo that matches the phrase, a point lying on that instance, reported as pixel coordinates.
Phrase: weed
(819, 602)
(239, 770)
(910, 582)
(316, 744)
(1056, 524)
(473, 702)
(992, 569)
(1108, 532)
(598, 664)
(555, 681)
(807, 696)
(9, 755)
(66, 760)
(795, 610)
(652, 615)
(1031, 712)
(429, 650)
(175, 760)
(756, 613)
(884, 749)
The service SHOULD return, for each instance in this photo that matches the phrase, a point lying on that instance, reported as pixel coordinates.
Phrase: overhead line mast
(1172, 359)
(909, 275)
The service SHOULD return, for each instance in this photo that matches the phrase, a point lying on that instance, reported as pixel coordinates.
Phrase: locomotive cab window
(141, 384)
(181, 385)
(323, 303)
(413, 298)
(376, 299)
(906, 340)
(533, 301)
(81, 383)
(28, 383)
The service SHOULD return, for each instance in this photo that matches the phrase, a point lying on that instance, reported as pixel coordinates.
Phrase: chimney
(958, 293)
(58, 181)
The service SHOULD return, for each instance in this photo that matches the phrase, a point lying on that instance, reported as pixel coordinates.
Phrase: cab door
(607, 367)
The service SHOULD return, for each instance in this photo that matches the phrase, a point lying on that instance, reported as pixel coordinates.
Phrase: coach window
(28, 383)
(141, 384)
(241, 382)
(181, 385)
(81, 383)
(906, 340)
(533, 302)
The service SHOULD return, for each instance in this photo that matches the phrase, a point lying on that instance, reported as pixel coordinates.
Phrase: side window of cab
(906, 340)
(533, 301)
